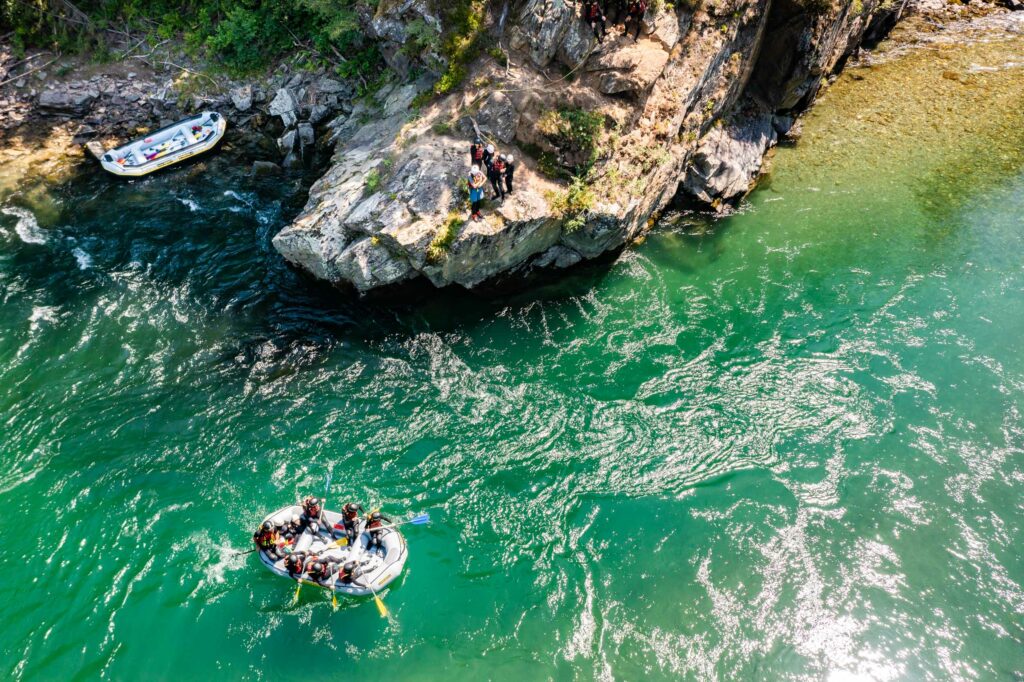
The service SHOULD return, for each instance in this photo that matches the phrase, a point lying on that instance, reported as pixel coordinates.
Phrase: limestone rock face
(390, 24)
(729, 158)
(542, 28)
(692, 106)
(630, 69)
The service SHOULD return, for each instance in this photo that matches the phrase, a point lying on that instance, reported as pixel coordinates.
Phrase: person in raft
(313, 515)
(320, 570)
(476, 192)
(292, 529)
(350, 520)
(295, 564)
(375, 527)
(268, 540)
(349, 572)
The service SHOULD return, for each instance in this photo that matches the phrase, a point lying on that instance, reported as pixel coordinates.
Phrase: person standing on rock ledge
(595, 18)
(635, 14)
(510, 169)
(476, 192)
(617, 11)
(496, 173)
(476, 153)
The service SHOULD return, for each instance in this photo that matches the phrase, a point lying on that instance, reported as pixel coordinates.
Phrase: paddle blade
(380, 606)
(420, 520)
(295, 599)
(334, 600)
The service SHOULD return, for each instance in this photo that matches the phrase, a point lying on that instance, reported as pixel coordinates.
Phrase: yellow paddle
(379, 602)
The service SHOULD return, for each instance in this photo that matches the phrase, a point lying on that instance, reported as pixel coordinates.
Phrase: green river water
(788, 444)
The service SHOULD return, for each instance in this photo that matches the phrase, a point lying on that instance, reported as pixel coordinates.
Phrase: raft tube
(378, 571)
(167, 146)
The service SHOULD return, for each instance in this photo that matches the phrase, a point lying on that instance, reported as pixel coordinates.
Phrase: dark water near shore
(788, 444)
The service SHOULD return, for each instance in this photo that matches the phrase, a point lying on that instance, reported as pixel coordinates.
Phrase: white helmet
(509, 159)
(474, 169)
(296, 519)
(490, 148)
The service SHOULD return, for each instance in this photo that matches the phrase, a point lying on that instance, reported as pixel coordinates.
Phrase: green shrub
(572, 203)
(576, 133)
(445, 237)
(372, 182)
(244, 35)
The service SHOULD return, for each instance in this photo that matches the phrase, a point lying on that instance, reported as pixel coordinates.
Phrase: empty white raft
(378, 571)
(167, 146)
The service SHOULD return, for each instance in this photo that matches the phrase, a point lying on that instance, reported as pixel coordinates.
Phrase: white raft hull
(167, 146)
(378, 571)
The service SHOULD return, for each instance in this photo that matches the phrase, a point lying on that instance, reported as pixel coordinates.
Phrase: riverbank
(606, 137)
(691, 110)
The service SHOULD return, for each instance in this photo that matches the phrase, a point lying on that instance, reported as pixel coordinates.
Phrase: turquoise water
(787, 444)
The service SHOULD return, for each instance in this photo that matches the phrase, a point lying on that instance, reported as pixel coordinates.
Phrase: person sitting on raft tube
(349, 572)
(313, 515)
(350, 520)
(292, 529)
(295, 564)
(376, 520)
(268, 540)
(321, 569)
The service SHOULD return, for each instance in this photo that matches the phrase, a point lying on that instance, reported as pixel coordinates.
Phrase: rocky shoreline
(689, 110)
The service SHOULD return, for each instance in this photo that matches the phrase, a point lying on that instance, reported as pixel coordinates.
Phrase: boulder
(75, 102)
(266, 168)
(286, 143)
(576, 44)
(318, 113)
(241, 98)
(329, 86)
(499, 117)
(542, 28)
(306, 136)
(367, 264)
(630, 69)
(729, 158)
(285, 106)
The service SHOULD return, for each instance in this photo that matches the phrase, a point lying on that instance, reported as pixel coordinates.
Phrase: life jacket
(638, 8)
(593, 11)
(477, 152)
(294, 563)
(266, 539)
(499, 166)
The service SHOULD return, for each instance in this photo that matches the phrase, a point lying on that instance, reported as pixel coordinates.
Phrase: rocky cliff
(605, 135)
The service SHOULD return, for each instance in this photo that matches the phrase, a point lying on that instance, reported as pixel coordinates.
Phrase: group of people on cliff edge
(630, 13)
(486, 164)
